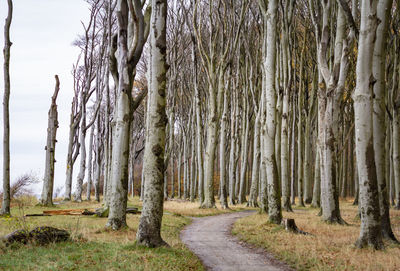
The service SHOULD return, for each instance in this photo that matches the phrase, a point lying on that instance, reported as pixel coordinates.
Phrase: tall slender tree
(149, 230)
(370, 232)
(5, 208)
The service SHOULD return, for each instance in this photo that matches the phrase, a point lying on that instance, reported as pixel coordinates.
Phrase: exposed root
(291, 226)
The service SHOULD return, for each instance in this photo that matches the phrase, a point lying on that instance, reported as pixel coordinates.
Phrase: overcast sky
(42, 33)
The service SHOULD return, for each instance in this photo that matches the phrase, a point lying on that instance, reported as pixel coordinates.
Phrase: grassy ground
(186, 208)
(331, 247)
(95, 248)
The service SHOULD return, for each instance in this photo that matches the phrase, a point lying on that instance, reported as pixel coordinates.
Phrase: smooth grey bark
(330, 78)
(370, 232)
(185, 166)
(199, 128)
(98, 158)
(274, 200)
(209, 158)
(222, 156)
(180, 171)
(308, 189)
(48, 180)
(379, 113)
(73, 146)
(232, 152)
(289, 193)
(193, 160)
(300, 144)
(82, 140)
(107, 124)
(316, 200)
(132, 34)
(149, 230)
(255, 172)
(90, 164)
(356, 182)
(244, 156)
(5, 207)
(172, 146)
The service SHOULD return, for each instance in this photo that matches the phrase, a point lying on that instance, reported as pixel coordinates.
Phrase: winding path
(211, 240)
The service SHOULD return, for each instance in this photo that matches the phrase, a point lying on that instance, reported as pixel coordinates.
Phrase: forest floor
(211, 240)
(330, 247)
(93, 247)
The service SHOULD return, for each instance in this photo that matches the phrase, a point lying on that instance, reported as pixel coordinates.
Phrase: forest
(202, 132)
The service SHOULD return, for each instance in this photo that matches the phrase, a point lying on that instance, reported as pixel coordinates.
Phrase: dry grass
(92, 240)
(187, 208)
(92, 228)
(331, 247)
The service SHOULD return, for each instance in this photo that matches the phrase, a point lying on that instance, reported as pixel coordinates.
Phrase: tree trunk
(289, 193)
(255, 172)
(232, 153)
(179, 174)
(121, 129)
(222, 156)
(316, 201)
(243, 168)
(48, 180)
(5, 208)
(370, 232)
(149, 230)
(274, 200)
(300, 185)
(379, 129)
(90, 165)
(82, 139)
(212, 122)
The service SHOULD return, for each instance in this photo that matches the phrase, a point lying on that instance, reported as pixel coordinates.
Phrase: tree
(379, 129)
(274, 194)
(128, 44)
(370, 232)
(5, 208)
(149, 230)
(48, 180)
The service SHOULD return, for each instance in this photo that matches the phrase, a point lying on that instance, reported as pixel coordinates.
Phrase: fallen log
(68, 212)
(101, 212)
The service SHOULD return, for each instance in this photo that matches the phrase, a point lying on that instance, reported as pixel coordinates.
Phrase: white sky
(42, 32)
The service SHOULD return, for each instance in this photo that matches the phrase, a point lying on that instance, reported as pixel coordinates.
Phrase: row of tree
(260, 102)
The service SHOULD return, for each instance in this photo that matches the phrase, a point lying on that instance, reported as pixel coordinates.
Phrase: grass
(94, 247)
(187, 208)
(331, 247)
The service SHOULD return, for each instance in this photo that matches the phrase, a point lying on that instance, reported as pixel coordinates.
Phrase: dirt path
(211, 240)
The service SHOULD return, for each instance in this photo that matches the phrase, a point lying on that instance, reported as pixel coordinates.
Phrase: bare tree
(5, 208)
(48, 180)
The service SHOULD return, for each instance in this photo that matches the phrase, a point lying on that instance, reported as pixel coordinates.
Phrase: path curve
(211, 240)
